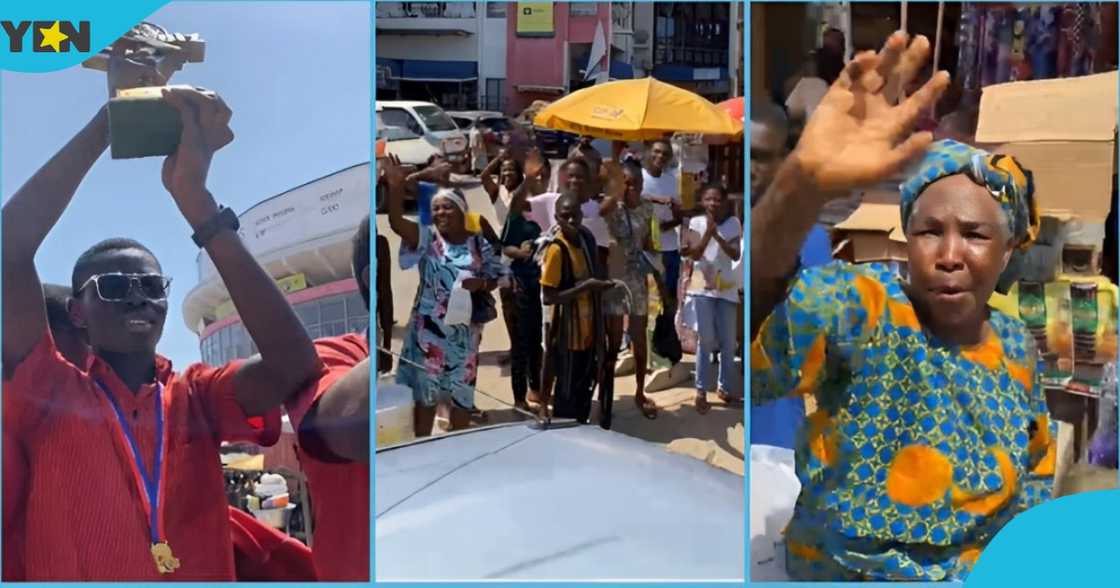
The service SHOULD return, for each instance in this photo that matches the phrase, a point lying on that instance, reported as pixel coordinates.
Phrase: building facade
(449, 53)
(302, 238)
(549, 48)
(694, 45)
(505, 55)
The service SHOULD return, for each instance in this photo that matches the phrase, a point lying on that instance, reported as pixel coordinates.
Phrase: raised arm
(856, 137)
(340, 418)
(488, 182)
(287, 359)
(408, 230)
(36, 206)
(436, 174)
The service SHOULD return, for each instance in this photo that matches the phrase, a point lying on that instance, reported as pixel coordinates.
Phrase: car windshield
(435, 119)
(498, 125)
(404, 126)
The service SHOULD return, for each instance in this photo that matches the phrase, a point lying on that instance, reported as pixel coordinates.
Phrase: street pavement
(717, 437)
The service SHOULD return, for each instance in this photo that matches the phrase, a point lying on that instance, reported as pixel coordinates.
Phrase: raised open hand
(390, 169)
(858, 135)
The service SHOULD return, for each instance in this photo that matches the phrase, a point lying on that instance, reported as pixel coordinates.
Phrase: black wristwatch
(225, 219)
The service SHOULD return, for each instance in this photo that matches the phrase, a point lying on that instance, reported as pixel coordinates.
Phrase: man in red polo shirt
(332, 418)
(124, 480)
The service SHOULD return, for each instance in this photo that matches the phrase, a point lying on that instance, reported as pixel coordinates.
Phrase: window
(332, 309)
(308, 313)
(494, 97)
(399, 117)
(435, 119)
(583, 9)
(355, 306)
(326, 317)
(495, 10)
(391, 119)
(358, 324)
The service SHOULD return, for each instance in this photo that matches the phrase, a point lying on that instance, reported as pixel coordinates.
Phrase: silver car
(566, 502)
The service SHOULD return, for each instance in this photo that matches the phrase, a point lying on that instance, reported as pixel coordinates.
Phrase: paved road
(717, 437)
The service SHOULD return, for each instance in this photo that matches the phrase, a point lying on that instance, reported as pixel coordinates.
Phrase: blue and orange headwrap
(1008, 183)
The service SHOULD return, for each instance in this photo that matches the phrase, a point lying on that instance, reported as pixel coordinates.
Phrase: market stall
(268, 484)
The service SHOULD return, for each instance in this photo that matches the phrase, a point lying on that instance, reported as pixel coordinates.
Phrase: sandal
(729, 399)
(647, 407)
(702, 405)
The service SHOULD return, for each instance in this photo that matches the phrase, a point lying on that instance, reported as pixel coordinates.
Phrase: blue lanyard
(150, 482)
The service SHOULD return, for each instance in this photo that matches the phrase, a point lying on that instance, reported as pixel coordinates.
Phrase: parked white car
(425, 130)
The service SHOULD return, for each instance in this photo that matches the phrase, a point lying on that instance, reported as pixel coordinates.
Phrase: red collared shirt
(15, 493)
(83, 517)
(263, 554)
(339, 488)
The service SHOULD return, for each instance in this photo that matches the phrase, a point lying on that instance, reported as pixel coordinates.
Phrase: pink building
(545, 62)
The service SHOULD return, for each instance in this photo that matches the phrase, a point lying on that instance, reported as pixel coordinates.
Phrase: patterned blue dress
(448, 352)
(918, 452)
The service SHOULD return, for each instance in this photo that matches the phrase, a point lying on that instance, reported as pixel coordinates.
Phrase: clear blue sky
(297, 76)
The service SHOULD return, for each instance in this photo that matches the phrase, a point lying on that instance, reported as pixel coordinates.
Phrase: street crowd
(579, 249)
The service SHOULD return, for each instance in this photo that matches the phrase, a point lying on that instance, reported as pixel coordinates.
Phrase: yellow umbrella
(636, 110)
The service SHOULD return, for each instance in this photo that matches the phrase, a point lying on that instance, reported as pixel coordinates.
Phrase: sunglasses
(117, 287)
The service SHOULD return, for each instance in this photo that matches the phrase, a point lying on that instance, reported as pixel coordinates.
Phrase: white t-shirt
(665, 185)
(543, 211)
(805, 97)
(501, 205)
(714, 274)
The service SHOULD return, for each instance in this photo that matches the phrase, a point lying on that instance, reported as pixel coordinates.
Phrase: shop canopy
(430, 70)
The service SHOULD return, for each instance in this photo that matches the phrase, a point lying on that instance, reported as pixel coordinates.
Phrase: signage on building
(292, 283)
(534, 19)
(324, 207)
(287, 285)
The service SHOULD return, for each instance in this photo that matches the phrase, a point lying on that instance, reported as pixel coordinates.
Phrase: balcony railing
(425, 9)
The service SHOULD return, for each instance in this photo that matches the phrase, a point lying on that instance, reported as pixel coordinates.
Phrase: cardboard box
(1064, 132)
(873, 232)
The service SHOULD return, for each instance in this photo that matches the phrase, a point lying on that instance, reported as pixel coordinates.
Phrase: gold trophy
(141, 122)
(162, 45)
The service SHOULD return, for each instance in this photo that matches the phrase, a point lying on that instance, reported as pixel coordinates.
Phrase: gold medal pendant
(165, 561)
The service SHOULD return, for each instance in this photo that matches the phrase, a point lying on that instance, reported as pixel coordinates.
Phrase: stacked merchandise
(1064, 132)
(270, 502)
(1003, 43)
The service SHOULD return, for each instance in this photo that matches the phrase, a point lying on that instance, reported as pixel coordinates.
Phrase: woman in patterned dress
(449, 353)
(629, 219)
(931, 429)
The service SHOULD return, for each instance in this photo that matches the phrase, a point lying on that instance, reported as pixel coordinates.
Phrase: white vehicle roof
(569, 502)
(404, 104)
